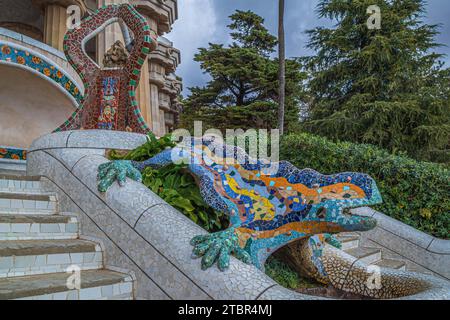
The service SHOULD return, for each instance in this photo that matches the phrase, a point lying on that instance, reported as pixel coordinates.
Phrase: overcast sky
(204, 21)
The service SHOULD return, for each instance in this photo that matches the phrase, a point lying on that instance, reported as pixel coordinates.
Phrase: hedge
(416, 193)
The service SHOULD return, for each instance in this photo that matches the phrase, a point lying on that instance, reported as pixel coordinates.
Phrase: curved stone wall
(38, 89)
(29, 107)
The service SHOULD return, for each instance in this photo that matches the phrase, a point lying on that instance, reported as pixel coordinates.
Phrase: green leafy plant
(282, 273)
(414, 192)
(287, 277)
(174, 184)
(178, 188)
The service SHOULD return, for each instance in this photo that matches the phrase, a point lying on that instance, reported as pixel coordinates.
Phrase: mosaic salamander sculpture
(266, 211)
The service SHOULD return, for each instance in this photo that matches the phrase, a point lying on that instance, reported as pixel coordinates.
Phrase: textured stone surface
(116, 56)
(406, 232)
(89, 139)
(104, 139)
(51, 140)
(139, 198)
(440, 246)
(171, 232)
(70, 157)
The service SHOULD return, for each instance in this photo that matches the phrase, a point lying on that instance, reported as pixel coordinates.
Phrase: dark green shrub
(416, 193)
(178, 188)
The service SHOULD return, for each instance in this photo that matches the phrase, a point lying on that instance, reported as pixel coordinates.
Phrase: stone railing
(142, 233)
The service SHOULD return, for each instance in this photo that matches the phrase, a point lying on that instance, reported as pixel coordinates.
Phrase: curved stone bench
(140, 231)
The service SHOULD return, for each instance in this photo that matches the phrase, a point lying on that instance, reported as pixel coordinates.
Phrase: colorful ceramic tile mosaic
(13, 54)
(12, 153)
(267, 210)
(110, 98)
(109, 103)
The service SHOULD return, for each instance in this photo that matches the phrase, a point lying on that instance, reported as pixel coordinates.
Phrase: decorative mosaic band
(13, 153)
(11, 53)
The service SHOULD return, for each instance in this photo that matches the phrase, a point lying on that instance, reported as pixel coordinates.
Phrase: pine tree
(381, 86)
(243, 91)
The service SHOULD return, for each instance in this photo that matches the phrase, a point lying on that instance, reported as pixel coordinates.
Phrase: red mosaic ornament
(109, 101)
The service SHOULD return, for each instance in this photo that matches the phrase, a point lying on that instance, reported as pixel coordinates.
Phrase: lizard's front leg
(118, 170)
(218, 247)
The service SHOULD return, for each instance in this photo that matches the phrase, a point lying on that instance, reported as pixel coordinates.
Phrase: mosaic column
(55, 28)
(110, 34)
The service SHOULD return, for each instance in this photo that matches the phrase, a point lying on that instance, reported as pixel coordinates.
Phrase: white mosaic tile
(17, 204)
(63, 258)
(5, 203)
(5, 228)
(20, 227)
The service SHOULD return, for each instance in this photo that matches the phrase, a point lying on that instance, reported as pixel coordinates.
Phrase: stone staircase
(351, 244)
(40, 248)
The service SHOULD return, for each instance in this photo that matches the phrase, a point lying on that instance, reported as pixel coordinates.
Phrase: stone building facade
(35, 102)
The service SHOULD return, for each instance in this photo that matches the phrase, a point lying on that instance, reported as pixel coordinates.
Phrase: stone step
(21, 258)
(95, 285)
(391, 264)
(365, 255)
(419, 269)
(348, 241)
(28, 227)
(19, 184)
(13, 167)
(21, 203)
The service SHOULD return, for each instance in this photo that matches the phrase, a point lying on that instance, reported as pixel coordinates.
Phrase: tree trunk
(282, 67)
